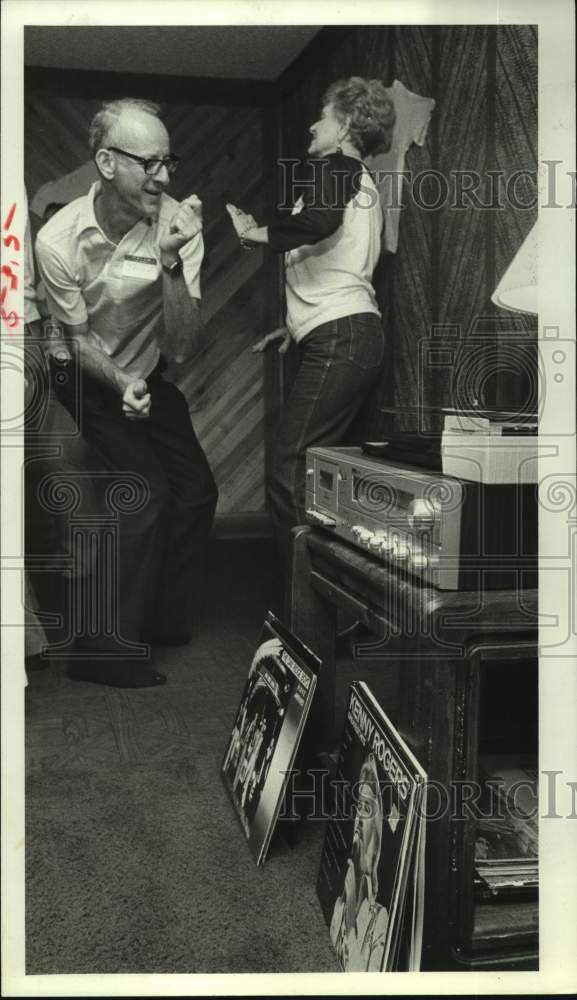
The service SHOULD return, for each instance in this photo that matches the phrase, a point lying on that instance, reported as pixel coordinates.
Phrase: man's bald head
(124, 135)
(126, 121)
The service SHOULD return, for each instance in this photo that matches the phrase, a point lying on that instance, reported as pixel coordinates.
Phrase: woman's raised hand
(241, 221)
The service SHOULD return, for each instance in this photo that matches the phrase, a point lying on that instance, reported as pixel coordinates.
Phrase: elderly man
(120, 268)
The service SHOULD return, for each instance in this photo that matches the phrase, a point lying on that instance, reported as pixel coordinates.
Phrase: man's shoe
(115, 673)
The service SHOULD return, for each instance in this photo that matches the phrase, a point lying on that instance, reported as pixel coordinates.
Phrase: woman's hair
(371, 110)
(108, 114)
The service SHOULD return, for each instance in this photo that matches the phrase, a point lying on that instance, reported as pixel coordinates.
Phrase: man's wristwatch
(173, 269)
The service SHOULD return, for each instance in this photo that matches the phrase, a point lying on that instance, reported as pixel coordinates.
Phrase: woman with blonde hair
(332, 242)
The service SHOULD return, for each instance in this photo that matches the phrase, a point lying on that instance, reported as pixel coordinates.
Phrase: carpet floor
(135, 859)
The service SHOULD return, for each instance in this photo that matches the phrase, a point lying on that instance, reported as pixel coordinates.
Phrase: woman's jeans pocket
(366, 340)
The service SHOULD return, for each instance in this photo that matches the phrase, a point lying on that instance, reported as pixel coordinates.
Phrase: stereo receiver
(450, 533)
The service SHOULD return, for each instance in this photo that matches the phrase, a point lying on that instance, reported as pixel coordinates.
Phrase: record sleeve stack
(506, 848)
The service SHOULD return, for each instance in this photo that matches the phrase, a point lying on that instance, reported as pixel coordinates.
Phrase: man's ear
(105, 163)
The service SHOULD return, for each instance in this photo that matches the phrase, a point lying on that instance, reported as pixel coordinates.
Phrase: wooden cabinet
(467, 672)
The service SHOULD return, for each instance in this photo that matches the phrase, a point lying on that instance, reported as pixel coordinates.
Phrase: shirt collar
(87, 218)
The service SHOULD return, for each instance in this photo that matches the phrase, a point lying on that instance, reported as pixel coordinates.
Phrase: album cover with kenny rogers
(371, 878)
(267, 731)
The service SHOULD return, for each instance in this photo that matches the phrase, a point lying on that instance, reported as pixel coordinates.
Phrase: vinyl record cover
(371, 876)
(267, 731)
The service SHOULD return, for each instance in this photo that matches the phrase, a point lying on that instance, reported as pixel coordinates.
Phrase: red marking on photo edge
(10, 216)
(12, 320)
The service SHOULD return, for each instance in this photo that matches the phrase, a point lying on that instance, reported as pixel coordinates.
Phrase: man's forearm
(182, 321)
(132, 390)
(96, 363)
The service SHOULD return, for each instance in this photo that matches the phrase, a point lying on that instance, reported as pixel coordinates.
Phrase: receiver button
(421, 514)
(323, 519)
(401, 551)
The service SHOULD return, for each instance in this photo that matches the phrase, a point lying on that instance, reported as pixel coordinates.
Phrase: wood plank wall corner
(231, 135)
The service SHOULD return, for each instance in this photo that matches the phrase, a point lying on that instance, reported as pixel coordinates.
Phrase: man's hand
(185, 223)
(280, 332)
(136, 400)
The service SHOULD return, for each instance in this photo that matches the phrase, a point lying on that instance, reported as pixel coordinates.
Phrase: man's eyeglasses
(150, 165)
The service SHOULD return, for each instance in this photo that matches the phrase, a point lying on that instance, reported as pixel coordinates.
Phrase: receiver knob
(421, 514)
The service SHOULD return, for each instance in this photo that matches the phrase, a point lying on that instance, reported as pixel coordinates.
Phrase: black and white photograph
(288, 336)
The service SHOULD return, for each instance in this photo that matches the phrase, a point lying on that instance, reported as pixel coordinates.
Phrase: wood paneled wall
(221, 146)
(449, 260)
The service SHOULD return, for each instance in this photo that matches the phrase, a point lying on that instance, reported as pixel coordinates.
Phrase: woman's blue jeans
(338, 363)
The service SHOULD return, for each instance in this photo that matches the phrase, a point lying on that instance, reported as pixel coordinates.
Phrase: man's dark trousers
(153, 478)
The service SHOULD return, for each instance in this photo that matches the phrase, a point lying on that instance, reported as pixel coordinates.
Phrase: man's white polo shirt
(116, 289)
